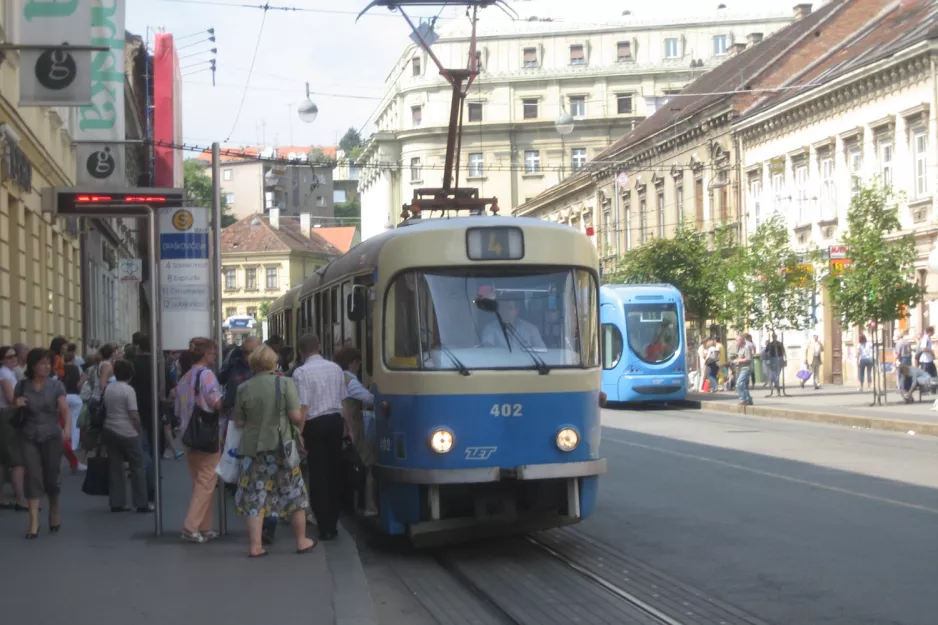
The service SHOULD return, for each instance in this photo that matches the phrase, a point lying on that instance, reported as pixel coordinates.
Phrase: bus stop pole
(216, 282)
(155, 373)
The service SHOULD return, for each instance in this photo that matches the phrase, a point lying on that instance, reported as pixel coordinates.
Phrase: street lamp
(565, 123)
(307, 110)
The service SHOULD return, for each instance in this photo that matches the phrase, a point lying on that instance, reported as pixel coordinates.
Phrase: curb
(351, 597)
(872, 423)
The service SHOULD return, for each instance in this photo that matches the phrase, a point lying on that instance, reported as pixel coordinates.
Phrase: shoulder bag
(21, 413)
(202, 432)
(288, 446)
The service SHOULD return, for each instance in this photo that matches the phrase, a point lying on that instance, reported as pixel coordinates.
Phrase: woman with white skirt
(73, 381)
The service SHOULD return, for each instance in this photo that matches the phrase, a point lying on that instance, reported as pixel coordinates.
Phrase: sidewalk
(104, 568)
(830, 404)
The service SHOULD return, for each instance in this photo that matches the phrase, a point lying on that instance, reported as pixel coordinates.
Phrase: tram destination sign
(77, 201)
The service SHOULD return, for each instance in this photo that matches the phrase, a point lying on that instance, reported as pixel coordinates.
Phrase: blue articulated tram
(644, 357)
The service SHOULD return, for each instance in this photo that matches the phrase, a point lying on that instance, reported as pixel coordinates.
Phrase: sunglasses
(9, 356)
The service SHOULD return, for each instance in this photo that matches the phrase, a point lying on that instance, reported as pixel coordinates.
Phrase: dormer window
(530, 57)
(624, 51)
(415, 64)
(577, 55)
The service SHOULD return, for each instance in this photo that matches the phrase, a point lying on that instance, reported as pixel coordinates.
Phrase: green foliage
(681, 261)
(780, 283)
(198, 186)
(349, 214)
(316, 156)
(263, 309)
(880, 283)
(350, 141)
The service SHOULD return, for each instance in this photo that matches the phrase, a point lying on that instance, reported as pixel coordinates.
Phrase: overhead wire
(268, 7)
(247, 83)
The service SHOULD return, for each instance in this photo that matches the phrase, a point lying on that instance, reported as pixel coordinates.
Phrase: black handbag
(96, 478)
(202, 433)
(20, 413)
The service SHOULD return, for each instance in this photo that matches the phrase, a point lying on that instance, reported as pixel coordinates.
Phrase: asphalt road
(796, 523)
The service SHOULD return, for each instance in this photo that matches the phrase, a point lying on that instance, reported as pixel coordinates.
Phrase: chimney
(275, 218)
(754, 38)
(304, 224)
(802, 10)
(737, 48)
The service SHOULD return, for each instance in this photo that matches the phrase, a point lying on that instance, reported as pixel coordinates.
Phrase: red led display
(126, 199)
(81, 201)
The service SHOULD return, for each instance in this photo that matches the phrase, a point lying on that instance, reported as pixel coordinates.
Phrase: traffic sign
(622, 180)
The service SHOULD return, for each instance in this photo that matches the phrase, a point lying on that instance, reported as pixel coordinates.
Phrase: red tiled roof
(339, 236)
(329, 151)
(254, 234)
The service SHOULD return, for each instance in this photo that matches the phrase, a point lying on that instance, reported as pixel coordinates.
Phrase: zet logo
(182, 220)
(56, 69)
(101, 164)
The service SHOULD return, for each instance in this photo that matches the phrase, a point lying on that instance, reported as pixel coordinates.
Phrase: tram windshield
(653, 331)
(493, 318)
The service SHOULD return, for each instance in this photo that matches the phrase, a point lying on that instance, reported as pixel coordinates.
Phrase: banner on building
(55, 77)
(99, 129)
(167, 113)
(185, 276)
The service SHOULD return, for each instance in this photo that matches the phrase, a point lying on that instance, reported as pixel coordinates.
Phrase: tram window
(317, 316)
(349, 332)
(652, 331)
(612, 346)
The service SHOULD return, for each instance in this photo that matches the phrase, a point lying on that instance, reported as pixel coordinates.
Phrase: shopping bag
(229, 467)
(96, 478)
(803, 374)
(706, 386)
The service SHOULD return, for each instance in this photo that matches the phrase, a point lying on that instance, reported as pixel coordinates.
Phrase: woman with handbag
(10, 457)
(42, 439)
(267, 407)
(198, 400)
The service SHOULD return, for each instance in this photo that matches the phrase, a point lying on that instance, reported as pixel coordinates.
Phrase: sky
(345, 63)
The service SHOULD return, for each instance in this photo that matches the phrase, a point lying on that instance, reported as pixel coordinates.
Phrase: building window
(679, 196)
(475, 111)
(671, 48)
(230, 312)
(724, 195)
(229, 198)
(719, 45)
(320, 201)
(416, 115)
(801, 189)
(530, 109)
(250, 278)
(698, 202)
(530, 57)
(920, 154)
(578, 106)
(778, 188)
(271, 278)
(828, 189)
(252, 310)
(475, 165)
(885, 161)
(755, 200)
(855, 164)
(231, 279)
(661, 213)
(624, 51)
(532, 161)
(416, 173)
(607, 233)
(641, 218)
(415, 64)
(577, 57)
(624, 103)
(578, 156)
(226, 174)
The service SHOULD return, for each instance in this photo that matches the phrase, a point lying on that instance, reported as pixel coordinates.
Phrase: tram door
(362, 333)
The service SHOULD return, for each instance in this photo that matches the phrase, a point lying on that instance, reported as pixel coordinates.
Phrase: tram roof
(623, 291)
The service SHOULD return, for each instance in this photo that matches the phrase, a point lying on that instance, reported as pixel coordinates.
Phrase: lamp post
(564, 125)
(307, 110)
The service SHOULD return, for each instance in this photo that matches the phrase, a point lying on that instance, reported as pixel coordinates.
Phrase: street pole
(216, 281)
(155, 348)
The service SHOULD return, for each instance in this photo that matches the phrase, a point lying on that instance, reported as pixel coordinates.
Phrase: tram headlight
(567, 439)
(442, 441)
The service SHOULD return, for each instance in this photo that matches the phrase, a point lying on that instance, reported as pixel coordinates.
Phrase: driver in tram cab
(517, 329)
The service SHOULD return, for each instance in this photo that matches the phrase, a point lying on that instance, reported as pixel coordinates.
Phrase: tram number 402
(507, 410)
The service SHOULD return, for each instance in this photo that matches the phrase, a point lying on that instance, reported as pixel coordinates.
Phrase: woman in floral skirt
(268, 409)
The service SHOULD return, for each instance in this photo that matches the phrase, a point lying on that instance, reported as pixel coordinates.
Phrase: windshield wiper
(461, 368)
(542, 367)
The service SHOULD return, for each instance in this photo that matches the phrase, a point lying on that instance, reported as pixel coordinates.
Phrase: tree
(263, 309)
(729, 280)
(879, 284)
(198, 186)
(316, 156)
(349, 214)
(350, 141)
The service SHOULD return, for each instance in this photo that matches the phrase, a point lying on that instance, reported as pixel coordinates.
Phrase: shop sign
(838, 252)
(55, 76)
(16, 167)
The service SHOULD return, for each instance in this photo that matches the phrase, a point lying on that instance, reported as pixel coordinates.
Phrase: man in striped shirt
(322, 390)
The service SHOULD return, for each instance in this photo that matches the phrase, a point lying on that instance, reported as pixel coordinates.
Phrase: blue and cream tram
(281, 316)
(643, 343)
(480, 341)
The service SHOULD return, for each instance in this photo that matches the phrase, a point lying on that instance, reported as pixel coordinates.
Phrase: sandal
(258, 555)
(300, 552)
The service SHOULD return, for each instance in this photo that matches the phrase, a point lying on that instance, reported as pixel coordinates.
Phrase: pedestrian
(42, 436)
(745, 351)
(903, 351)
(268, 410)
(122, 436)
(774, 355)
(359, 402)
(927, 354)
(22, 350)
(72, 381)
(197, 527)
(11, 460)
(142, 384)
(812, 360)
(322, 390)
(865, 362)
(73, 350)
(58, 347)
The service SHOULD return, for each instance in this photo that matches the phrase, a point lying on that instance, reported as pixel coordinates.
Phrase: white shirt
(866, 351)
(321, 387)
(926, 345)
(357, 391)
(527, 332)
(7, 374)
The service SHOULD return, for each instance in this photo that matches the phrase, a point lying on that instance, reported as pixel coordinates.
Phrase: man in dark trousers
(143, 388)
(322, 389)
